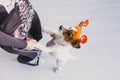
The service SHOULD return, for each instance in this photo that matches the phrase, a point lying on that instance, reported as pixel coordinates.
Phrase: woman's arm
(6, 40)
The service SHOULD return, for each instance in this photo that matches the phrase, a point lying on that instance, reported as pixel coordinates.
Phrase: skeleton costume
(18, 20)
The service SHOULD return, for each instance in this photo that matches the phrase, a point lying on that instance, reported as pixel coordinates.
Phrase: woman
(18, 22)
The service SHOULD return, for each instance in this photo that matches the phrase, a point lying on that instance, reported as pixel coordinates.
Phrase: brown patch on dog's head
(67, 33)
(68, 37)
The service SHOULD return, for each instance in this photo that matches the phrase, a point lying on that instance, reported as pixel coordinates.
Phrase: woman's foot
(28, 61)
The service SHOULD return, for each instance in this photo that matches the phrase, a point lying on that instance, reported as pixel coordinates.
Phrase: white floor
(99, 59)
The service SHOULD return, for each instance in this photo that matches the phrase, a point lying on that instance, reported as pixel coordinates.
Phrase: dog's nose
(60, 28)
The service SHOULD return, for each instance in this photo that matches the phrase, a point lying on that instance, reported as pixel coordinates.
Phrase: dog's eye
(64, 33)
(68, 33)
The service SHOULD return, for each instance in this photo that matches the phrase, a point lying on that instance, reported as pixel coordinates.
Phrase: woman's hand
(30, 43)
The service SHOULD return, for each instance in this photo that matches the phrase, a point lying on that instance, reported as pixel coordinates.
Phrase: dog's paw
(56, 70)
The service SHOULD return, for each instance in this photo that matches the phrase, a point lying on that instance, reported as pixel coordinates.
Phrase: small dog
(62, 42)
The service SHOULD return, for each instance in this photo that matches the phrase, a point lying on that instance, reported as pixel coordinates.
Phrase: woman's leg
(24, 56)
(31, 54)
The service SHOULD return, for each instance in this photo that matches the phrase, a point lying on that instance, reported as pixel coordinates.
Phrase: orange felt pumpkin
(83, 39)
(79, 29)
(86, 22)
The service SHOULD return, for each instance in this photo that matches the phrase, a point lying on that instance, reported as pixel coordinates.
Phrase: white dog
(61, 43)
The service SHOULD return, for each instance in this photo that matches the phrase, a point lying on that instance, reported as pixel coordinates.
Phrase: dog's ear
(76, 43)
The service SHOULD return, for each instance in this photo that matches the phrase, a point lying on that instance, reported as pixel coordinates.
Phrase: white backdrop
(99, 59)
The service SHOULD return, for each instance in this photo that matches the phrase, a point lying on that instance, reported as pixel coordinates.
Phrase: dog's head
(73, 35)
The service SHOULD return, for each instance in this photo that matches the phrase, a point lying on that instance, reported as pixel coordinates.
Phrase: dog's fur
(60, 44)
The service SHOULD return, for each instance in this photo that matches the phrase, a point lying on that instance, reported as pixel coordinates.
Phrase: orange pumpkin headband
(84, 38)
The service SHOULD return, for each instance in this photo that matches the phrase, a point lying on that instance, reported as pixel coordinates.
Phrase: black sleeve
(6, 40)
(36, 30)
(3, 13)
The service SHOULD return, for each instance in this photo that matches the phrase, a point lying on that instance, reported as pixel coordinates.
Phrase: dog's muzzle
(61, 27)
